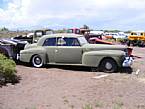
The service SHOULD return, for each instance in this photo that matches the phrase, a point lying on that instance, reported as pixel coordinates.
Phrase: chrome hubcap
(37, 61)
(108, 66)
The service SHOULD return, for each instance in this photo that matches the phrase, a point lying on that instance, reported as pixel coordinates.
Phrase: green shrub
(7, 70)
(88, 106)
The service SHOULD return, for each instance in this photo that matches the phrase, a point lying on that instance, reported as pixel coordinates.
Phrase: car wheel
(37, 61)
(108, 65)
(128, 43)
(142, 43)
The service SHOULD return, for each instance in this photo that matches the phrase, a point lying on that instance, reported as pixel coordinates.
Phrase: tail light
(129, 50)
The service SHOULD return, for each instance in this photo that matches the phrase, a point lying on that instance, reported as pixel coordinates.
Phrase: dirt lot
(62, 87)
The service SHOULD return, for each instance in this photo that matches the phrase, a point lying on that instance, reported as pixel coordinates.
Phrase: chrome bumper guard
(127, 62)
(18, 57)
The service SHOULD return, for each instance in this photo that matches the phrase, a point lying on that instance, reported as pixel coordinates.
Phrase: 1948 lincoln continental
(72, 49)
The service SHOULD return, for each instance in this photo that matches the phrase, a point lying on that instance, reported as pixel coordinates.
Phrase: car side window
(141, 34)
(50, 42)
(72, 42)
(61, 42)
(68, 42)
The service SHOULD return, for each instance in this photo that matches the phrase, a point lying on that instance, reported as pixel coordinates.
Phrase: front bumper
(127, 62)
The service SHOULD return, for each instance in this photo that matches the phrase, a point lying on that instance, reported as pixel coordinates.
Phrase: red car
(95, 40)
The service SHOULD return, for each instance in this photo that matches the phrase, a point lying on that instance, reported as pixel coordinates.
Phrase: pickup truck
(11, 47)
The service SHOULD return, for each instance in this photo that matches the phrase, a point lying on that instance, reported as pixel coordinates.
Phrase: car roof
(43, 38)
(141, 31)
(62, 35)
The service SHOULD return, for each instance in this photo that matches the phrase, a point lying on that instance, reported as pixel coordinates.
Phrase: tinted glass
(71, 42)
(70, 31)
(50, 42)
(141, 34)
(68, 42)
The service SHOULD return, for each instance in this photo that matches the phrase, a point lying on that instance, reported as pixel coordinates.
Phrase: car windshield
(82, 40)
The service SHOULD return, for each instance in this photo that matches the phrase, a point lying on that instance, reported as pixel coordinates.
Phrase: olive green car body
(85, 54)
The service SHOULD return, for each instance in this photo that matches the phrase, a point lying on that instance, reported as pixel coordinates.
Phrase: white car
(121, 35)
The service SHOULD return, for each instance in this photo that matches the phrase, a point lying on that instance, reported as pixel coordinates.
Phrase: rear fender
(94, 58)
(7, 51)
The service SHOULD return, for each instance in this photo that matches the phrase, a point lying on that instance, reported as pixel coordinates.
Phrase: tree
(4, 29)
(85, 27)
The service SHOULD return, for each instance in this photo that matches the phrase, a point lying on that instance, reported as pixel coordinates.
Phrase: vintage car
(73, 49)
(95, 40)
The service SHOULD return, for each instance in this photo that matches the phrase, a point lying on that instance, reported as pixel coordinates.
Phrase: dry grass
(8, 34)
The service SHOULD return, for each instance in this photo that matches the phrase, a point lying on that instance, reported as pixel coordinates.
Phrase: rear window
(133, 33)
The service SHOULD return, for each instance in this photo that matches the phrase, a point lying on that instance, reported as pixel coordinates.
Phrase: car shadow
(127, 70)
(69, 67)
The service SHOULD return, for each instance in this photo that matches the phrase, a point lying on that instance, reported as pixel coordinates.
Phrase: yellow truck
(136, 38)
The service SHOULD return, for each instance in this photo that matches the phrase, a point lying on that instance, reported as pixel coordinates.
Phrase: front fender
(26, 55)
(93, 58)
(7, 50)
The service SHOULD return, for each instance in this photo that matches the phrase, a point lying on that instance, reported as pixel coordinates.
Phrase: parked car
(95, 40)
(73, 49)
(136, 38)
(120, 35)
(33, 37)
(11, 47)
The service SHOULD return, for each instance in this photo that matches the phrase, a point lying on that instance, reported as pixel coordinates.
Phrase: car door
(68, 51)
(50, 47)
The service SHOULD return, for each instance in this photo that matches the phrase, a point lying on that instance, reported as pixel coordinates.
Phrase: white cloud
(104, 13)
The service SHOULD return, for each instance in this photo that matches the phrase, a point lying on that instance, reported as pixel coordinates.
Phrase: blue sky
(57, 14)
(2, 4)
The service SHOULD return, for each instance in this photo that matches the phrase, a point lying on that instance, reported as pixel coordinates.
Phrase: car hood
(27, 46)
(94, 47)
(12, 41)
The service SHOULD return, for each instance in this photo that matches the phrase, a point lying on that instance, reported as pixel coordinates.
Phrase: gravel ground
(60, 87)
